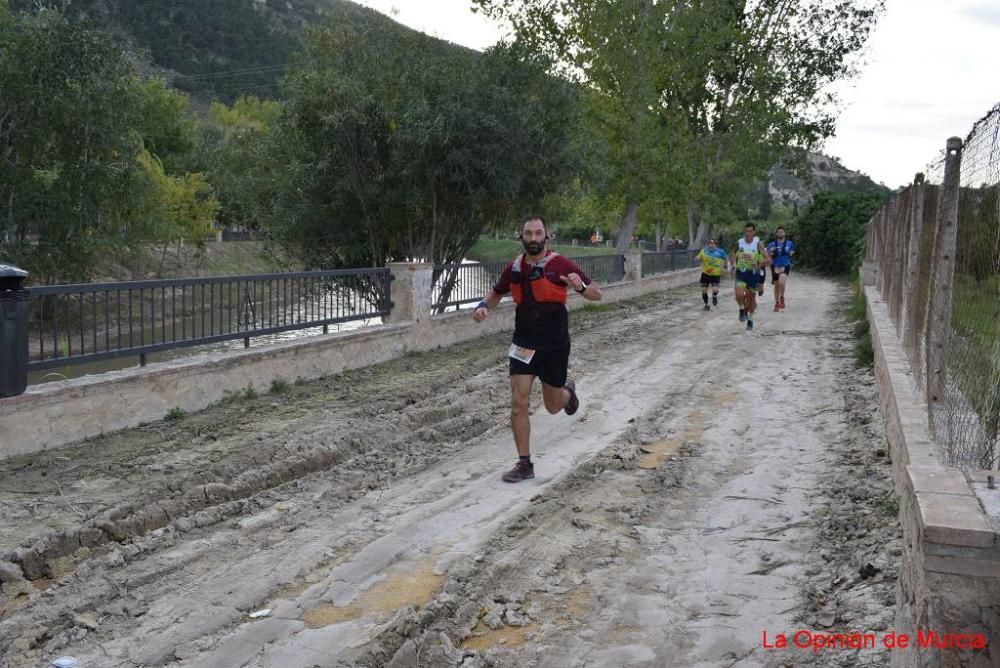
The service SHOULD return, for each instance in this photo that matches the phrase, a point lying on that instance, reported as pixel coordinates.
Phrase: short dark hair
(779, 227)
(751, 226)
(531, 217)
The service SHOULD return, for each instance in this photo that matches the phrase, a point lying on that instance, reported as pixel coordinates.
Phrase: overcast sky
(930, 73)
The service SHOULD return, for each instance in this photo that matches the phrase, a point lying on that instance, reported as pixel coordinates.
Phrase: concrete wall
(60, 413)
(949, 578)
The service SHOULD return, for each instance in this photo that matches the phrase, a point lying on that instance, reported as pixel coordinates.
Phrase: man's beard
(533, 247)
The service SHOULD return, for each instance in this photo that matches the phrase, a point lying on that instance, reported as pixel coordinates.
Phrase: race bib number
(779, 270)
(520, 354)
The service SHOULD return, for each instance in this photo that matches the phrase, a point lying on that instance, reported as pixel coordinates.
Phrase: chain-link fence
(936, 247)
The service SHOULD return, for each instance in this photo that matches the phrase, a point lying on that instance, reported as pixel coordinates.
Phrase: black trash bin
(13, 331)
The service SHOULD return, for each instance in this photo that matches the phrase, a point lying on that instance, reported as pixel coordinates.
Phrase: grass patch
(864, 352)
(174, 414)
(599, 308)
(973, 360)
(278, 386)
(888, 504)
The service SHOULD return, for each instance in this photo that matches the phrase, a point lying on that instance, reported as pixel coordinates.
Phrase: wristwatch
(582, 288)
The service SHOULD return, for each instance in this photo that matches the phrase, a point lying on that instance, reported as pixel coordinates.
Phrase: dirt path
(715, 485)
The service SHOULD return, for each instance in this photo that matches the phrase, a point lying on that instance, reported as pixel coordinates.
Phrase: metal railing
(76, 324)
(936, 246)
(602, 268)
(466, 283)
(662, 262)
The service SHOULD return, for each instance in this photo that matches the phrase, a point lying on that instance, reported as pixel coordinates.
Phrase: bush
(831, 233)
(864, 352)
(175, 413)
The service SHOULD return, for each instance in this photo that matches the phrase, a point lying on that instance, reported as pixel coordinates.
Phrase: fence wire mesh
(936, 245)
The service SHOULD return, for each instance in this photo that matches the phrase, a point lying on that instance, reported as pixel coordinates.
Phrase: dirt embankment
(714, 485)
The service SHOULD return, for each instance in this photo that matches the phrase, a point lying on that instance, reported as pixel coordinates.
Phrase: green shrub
(831, 234)
(175, 413)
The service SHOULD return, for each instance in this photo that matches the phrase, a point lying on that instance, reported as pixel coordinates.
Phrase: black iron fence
(602, 268)
(659, 263)
(457, 284)
(75, 324)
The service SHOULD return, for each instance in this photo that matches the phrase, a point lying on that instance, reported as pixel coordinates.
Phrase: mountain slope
(212, 49)
(827, 175)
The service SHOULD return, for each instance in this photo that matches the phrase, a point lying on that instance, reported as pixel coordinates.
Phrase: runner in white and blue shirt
(781, 251)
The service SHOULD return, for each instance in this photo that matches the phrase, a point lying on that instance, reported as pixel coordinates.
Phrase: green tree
(166, 128)
(707, 93)
(68, 102)
(164, 209)
(240, 158)
(609, 47)
(831, 233)
(400, 148)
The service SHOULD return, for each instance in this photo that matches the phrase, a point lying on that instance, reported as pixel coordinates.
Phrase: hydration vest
(780, 248)
(542, 289)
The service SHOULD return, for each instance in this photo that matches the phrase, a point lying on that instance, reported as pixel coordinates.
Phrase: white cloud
(929, 77)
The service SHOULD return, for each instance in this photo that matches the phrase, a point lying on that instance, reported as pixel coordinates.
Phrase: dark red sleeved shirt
(545, 325)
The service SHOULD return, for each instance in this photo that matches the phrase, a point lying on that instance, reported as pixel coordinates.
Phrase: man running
(781, 251)
(713, 259)
(750, 257)
(537, 280)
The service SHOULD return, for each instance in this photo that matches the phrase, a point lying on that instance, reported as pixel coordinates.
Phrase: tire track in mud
(211, 467)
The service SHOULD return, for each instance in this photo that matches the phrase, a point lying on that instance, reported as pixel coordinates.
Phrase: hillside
(828, 175)
(212, 49)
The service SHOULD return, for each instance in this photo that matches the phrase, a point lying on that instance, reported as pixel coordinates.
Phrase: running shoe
(782, 303)
(743, 316)
(574, 401)
(777, 307)
(521, 471)
(709, 308)
(749, 325)
(715, 300)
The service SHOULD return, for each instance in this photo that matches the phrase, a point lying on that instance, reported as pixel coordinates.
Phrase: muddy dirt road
(715, 485)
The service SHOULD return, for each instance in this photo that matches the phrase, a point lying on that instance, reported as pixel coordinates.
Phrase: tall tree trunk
(627, 227)
(701, 233)
(690, 222)
(658, 216)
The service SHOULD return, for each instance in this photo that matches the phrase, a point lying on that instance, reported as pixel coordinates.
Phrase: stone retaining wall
(949, 579)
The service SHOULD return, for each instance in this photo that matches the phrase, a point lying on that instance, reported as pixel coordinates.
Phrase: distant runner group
(539, 280)
(752, 257)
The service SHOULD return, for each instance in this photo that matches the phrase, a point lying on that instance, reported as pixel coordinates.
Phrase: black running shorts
(549, 365)
(707, 280)
(774, 276)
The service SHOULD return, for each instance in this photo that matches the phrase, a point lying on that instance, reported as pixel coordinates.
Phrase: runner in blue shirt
(781, 251)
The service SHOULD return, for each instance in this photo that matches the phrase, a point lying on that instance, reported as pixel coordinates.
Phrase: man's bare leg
(520, 421)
